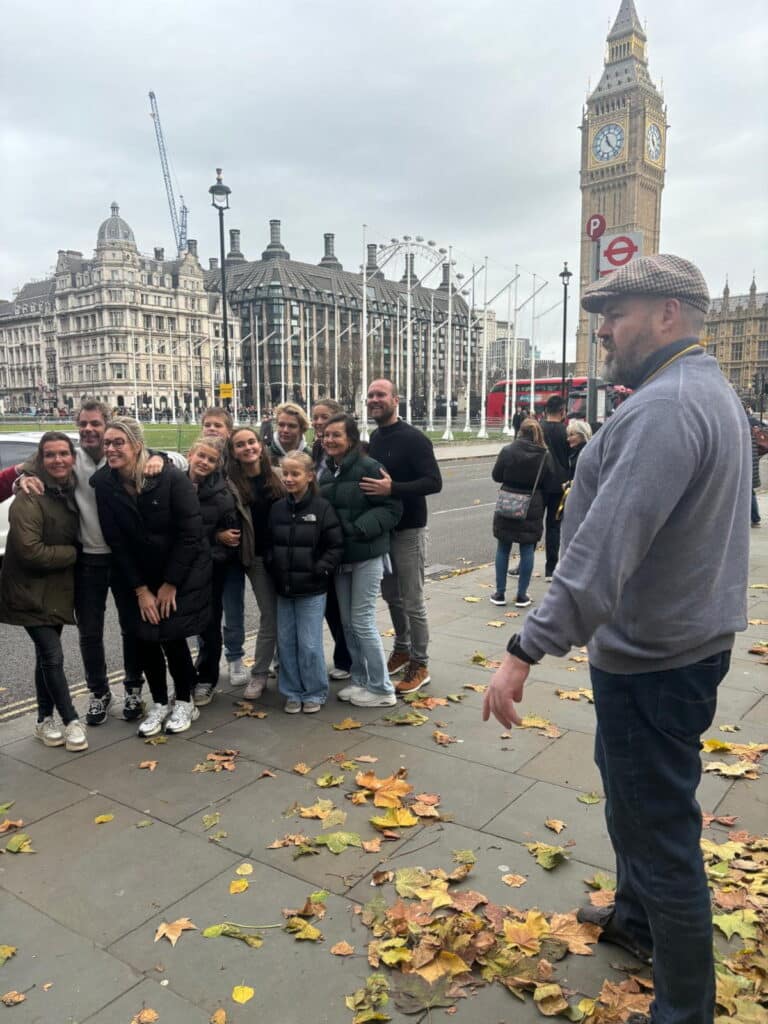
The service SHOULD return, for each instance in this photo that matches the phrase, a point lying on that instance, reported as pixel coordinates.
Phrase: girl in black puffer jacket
(221, 525)
(306, 544)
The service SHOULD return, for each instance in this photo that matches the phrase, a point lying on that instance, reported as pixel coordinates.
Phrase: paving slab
(35, 794)
(758, 712)
(102, 880)
(32, 751)
(567, 762)
(148, 994)
(82, 977)
(266, 810)
(171, 791)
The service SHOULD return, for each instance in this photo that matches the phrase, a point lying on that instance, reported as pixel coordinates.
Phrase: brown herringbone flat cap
(661, 276)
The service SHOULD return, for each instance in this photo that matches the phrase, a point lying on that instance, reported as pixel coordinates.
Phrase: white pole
(448, 434)
(514, 351)
(482, 432)
(507, 428)
(173, 380)
(336, 351)
(533, 349)
(282, 354)
(364, 348)
(467, 418)
(135, 389)
(408, 337)
(212, 371)
(397, 349)
(234, 386)
(431, 389)
(151, 378)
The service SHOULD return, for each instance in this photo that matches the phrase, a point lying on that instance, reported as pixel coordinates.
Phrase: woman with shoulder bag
(523, 468)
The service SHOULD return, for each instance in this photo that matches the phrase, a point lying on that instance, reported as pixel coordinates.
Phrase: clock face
(653, 141)
(608, 142)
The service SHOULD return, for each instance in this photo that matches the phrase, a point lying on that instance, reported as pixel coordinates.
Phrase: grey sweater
(655, 538)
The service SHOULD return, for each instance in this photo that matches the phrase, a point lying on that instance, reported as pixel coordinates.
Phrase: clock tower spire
(623, 151)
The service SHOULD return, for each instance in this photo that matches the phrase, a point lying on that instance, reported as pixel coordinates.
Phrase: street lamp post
(220, 201)
(565, 276)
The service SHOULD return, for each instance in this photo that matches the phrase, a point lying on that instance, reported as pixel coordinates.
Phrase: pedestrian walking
(342, 659)
(162, 564)
(256, 487)
(367, 521)
(553, 428)
(653, 576)
(37, 586)
(305, 546)
(221, 527)
(577, 434)
(410, 472)
(523, 468)
(292, 424)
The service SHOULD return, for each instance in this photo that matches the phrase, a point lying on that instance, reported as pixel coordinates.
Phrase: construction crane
(178, 215)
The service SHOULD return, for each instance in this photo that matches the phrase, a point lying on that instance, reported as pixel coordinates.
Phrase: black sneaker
(498, 598)
(98, 708)
(603, 917)
(133, 706)
(523, 602)
(513, 572)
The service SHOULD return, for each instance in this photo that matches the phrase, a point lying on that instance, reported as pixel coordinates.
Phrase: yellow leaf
(342, 949)
(395, 817)
(515, 881)
(550, 1000)
(301, 768)
(347, 723)
(526, 935)
(173, 930)
(102, 819)
(472, 600)
(445, 963)
(710, 746)
(244, 869)
(555, 825)
(477, 687)
(219, 1017)
(6, 952)
(496, 623)
(242, 994)
(238, 885)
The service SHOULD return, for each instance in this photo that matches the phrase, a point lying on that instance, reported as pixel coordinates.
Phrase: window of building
(147, 323)
(161, 371)
(738, 330)
(171, 323)
(160, 323)
(762, 350)
(737, 352)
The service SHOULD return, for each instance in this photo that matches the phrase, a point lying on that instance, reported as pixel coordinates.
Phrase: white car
(18, 447)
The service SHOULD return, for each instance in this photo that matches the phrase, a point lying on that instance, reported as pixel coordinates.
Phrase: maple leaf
(8, 824)
(321, 809)
(442, 738)
(103, 819)
(602, 898)
(20, 842)
(342, 949)
(380, 877)
(476, 687)
(740, 922)
(366, 758)
(526, 935)
(360, 797)
(4, 808)
(388, 792)
(150, 766)
(173, 930)
(242, 994)
(576, 935)
(302, 930)
(209, 820)
(367, 1003)
(424, 810)
(156, 741)
(470, 599)
(496, 623)
(515, 881)
(328, 780)
(729, 728)
(334, 819)
(445, 964)
(547, 856)
(232, 931)
(409, 718)
(12, 998)
(740, 770)
(6, 952)
(589, 798)
(465, 902)
(372, 845)
(710, 746)
(575, 694)
(266, 774)
(144, 823)
(291, 839)
(724, 819)
(623, 998)
(555, 825)
(395, 817)
(428, 703)
(337, 842)
(550, 1000)
(347, 723)
(146, 1016)
(218, 1017)
(601, 881)
(408, 880)
(238, 885)
(301, 768)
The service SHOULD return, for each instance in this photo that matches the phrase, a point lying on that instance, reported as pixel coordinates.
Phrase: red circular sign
(620, 251)
(595, 226)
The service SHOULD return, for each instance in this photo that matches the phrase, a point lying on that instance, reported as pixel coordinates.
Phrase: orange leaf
(442, 738)
(432, 799)
(515, 881)
(301, 768)
(424, 810)
(578, 936)
(342, 949)
(173, 930)
(266, 774)
(7, 825)
(219, 1017)
(146, 1016)
(555, 825)
(150, 766)
(372, 845)
(366, 759)
(602, 898)
(13, 998)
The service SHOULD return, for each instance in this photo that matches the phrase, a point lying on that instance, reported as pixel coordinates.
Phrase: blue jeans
(647, 749)
(233, 600)
(502, 564)
(357, 592)
(303, 676)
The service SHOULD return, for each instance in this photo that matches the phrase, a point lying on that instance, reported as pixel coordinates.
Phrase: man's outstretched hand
(506, 690)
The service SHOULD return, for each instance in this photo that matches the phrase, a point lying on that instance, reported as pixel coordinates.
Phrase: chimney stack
(159, 253)
(329, 257)
(234, 255)
(275, 250)
(371, 266)
(446, 277)
(410, 271)
(192, 247)
(213, 263)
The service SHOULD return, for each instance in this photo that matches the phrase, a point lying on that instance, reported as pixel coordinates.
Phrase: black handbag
(515, 504)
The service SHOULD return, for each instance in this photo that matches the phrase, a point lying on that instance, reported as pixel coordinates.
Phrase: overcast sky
(457, 121)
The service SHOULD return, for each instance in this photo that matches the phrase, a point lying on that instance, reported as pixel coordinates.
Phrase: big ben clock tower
(623, 151)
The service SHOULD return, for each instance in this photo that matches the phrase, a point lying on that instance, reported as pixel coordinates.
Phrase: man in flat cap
(653, 576)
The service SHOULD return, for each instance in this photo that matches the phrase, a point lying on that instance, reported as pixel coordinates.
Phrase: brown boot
(397, 662)
(416, 676)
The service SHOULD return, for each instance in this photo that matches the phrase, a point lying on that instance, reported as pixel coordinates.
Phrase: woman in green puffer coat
(367, 521)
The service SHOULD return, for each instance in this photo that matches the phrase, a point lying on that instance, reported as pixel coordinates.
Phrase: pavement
(83, 910)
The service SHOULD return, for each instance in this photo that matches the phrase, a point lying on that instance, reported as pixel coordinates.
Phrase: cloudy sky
(457, 121)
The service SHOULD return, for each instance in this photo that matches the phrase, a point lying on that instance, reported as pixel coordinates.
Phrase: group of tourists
(318, 532)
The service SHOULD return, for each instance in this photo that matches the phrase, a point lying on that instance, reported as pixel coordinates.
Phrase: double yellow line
(23, 707)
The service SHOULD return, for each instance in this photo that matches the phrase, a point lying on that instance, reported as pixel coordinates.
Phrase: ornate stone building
(736, 333)
(136, 331)
(623, 151)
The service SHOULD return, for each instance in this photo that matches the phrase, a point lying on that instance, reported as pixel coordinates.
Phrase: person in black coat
(553, 429)
(524, 466)
(221, 527)
(577, 433)
(306, 544)
(161, 557)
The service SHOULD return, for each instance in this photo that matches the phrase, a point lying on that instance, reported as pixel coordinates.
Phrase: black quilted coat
(305, 545)
(516, 468)
(157, 537)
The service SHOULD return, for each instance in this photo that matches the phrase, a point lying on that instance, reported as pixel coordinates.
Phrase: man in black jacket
(554, 434)
(410, 473)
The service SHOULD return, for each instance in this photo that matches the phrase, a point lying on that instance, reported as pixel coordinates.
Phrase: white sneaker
(339, 673)
(255, 687)
(292, 707)
(183, 715)
(368, 699)
(49, 733)
(349, 692)
(74, 735)
(238, 673)
(153, 723)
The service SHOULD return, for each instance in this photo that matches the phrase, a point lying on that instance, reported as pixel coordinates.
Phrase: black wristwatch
(514, 648)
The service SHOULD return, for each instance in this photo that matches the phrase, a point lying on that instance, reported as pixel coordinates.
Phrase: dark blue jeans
(649, 728)
(209, 643)
(50, 682)
(93, 578)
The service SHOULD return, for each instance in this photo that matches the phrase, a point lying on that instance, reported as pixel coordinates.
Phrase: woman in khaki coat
(37, 583)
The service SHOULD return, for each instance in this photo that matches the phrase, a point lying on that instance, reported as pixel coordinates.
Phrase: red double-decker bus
(609, 396)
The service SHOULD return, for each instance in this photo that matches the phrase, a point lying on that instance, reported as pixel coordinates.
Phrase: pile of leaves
(218, 761)
(748, 758)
